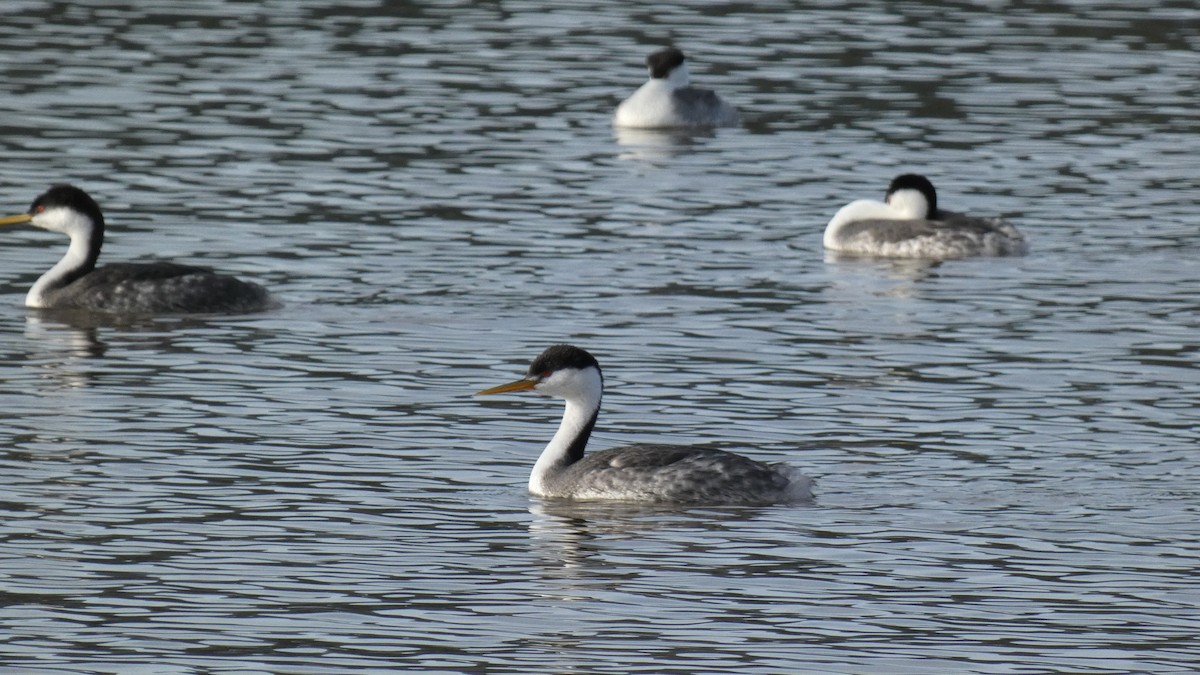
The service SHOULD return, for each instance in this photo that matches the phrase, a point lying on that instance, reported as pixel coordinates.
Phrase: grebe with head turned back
(126, 288)
(679, 474)
(666, 101)
(909, 224)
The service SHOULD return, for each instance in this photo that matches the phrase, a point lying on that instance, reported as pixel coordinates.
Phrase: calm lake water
(1006, 450)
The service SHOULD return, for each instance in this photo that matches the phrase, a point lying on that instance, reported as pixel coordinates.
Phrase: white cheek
(567, 383)
(63, 220)
(909, 204)
(679, 77)
(554, 385)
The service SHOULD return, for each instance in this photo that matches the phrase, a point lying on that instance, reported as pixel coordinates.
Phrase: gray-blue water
(1006, 449)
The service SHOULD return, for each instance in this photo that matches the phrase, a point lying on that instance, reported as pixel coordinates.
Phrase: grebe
(909, 224)
(666, 101)
(127, 288)
(643, 473)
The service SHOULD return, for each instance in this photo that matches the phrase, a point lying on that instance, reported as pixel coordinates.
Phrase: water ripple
(1004, 449)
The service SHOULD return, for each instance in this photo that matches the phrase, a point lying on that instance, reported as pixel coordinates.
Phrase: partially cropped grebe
(125, 288)
(666, 101)
(909, 224)
(679, 474)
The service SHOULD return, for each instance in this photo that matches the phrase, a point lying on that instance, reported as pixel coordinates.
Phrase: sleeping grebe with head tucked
(124, 288)
(909, 224)
(667, 101)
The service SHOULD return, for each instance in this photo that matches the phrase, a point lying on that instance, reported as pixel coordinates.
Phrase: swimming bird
(666, 101)
(679, 474)
(909, 224)
(125, 288)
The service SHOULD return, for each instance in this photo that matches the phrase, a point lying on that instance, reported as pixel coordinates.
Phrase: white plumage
(909, 224)
(667, 101)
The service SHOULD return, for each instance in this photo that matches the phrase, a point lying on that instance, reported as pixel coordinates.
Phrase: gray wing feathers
(162, 287)
(703, 107)
(672, 473)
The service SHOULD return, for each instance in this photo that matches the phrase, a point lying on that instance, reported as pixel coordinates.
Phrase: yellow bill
(519, 385)
(16, 220)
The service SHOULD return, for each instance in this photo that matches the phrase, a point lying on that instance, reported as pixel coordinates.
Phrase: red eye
(39, 208)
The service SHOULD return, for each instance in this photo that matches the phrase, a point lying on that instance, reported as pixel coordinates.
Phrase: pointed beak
(523, 384)
(16, 220)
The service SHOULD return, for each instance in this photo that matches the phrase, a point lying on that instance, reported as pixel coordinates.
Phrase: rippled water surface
(1005, 449)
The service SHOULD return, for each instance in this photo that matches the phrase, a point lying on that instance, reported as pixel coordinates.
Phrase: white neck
(80, 229)
(902, 205)
(909, 204)
(861, 209)
(582, 391)
(678, 78)
(651, 105)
